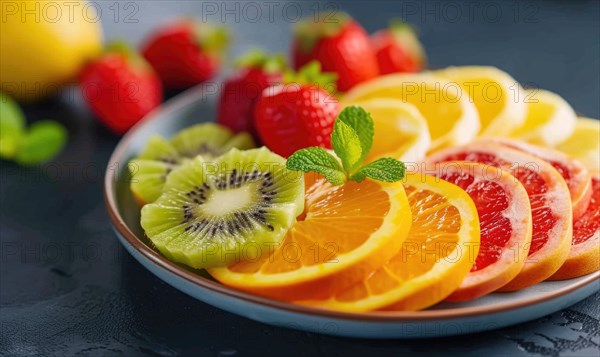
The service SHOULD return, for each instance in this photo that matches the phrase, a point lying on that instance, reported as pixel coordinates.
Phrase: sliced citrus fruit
(576, 176)
(550, 120)
(400, 130)
(438, 253)
(584, 143)
(493, 92)
(505, 224)
(550, 205)
(451, 116)
(345, 233)
(584, 257)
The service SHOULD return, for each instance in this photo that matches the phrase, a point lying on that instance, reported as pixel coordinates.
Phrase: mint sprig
(352, 140)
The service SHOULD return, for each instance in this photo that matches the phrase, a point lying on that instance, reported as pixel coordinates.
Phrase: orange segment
(438, 253)
(345, 233)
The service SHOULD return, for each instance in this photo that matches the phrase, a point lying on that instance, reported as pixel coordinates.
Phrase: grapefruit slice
(438, 253)
(550, 205)
(345, 233)
(576, 176)
(505, 224)
(584, 257)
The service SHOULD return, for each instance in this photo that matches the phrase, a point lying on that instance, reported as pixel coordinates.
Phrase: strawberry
(340, 44)
(297, 114)
(186, 52)
(241, 92)
(120, 88)
(398, 49)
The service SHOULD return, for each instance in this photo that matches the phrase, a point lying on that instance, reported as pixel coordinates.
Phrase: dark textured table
(67, 286)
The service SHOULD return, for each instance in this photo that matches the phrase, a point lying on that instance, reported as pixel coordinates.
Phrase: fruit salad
(340, 187)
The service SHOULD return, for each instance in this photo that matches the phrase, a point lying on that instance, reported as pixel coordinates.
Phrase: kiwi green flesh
(148, 178)
(215, 212)
(209, 140)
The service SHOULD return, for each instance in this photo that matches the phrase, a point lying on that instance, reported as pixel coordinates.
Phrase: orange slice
(576, 176)
(550, 205)
(434, 259)
(584, 257)
(345, 233)
(505, 224)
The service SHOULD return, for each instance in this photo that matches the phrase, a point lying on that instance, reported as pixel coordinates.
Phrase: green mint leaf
(318, 160)
(41, 143)
(12, 126)
(384, 169)
(360, 121)
(346, 145)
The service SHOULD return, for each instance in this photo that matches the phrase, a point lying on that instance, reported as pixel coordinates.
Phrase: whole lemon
(44, 44)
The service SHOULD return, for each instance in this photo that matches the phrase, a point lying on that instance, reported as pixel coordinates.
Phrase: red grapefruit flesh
(576, 175)
(549, 198)
(584, 257)
(505, 224)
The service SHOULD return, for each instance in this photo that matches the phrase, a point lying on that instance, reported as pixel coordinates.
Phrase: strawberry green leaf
(256, 58)
(311, 74)
(384, 169)
(346, 145)
(361, 123)
(212, 38)
(318, 160)
(44, 140)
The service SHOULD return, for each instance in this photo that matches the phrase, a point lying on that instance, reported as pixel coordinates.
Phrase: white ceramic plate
(446, 319)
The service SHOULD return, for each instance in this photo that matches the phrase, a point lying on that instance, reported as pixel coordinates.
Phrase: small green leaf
(41, 143)
(318, 160)
(346, 145)
(360, 121)
(384, 169)
(311, 74)
(12, 126)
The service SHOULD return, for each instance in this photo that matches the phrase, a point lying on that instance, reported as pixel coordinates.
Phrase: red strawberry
(340, 44)
(120, 88)
(398, 49)
(240, 92)
(186, 53)
(296, 115)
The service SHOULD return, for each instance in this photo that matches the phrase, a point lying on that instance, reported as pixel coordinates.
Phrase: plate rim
(191, 96)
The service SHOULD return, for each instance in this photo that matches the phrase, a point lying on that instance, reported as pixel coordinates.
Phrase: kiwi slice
(160, 156)
(214, 212)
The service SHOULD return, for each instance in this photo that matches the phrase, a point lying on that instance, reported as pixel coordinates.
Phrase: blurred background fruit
(120, 87)
(341, 45)
(47, 49)
(398, 49)
(241, 91)
(186, 52)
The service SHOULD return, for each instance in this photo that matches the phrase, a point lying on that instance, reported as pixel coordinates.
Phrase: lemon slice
(451, 117)
(549, 120)
(584, 143)
(401, 131)
(495, 95)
